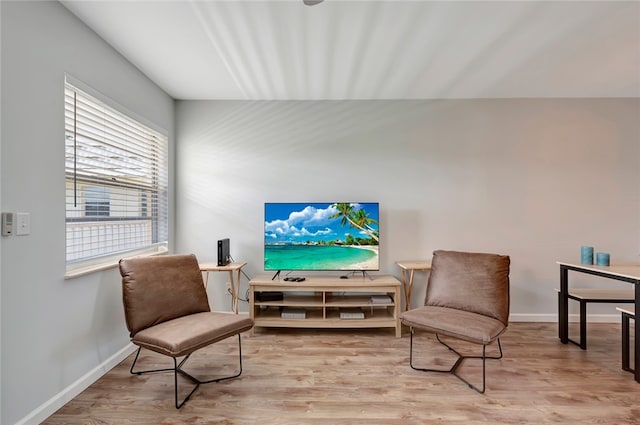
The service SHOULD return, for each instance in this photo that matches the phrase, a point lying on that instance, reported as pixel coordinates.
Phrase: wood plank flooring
(301, 376)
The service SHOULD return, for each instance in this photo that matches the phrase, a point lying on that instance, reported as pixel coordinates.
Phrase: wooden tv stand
(322, 297)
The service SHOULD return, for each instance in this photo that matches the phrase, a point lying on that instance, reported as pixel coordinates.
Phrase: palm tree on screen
(358, 219)
(362, 219)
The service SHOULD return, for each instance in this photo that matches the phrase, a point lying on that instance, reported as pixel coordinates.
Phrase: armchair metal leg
(177, 369)
(457, 363)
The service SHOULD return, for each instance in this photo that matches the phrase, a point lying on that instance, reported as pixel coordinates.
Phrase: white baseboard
(63, 397)
(545, 318)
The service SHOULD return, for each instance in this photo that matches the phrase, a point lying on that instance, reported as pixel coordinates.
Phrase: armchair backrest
(157, 289)
(475, 282)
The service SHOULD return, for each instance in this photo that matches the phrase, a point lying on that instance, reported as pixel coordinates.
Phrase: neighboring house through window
(96, 201)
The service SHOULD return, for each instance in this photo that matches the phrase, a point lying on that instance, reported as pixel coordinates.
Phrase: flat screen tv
(321, 236)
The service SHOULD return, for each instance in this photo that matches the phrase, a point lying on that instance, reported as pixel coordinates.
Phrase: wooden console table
(321, 299)
(410, 267)
(624, 273)
(231, 267)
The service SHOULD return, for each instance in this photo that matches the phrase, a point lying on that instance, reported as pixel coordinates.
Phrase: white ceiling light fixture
(312, 2)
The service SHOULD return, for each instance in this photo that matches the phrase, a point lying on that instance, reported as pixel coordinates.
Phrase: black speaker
(223, 252)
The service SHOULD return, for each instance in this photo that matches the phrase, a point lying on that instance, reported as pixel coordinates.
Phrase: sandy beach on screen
(370, 264)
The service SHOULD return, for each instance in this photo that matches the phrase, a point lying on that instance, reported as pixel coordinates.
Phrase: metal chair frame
(177, 369)
(458, 362)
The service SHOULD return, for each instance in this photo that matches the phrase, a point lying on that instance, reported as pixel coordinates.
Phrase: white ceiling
(376, 49)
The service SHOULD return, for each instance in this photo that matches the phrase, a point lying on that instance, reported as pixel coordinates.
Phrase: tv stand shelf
(322, 298)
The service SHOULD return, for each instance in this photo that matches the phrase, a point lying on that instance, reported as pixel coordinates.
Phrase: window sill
(82, 271)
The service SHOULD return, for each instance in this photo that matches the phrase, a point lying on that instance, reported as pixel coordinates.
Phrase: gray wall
(57, 334)
(535, 179)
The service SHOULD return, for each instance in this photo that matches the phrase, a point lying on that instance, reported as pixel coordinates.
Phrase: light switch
(23, 223)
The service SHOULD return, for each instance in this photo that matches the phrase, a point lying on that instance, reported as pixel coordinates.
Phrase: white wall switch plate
(23, 223)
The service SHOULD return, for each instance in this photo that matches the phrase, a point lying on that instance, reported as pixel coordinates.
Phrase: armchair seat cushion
(464, 325)
(183, 335)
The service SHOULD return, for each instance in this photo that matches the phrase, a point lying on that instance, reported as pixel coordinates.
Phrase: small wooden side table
(231, 267)
(410, 267)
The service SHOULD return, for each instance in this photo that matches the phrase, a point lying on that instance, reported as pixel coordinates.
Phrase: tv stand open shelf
(322, 298)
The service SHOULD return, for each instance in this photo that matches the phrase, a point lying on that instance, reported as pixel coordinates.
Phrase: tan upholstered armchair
(468, 299)
(167, 311)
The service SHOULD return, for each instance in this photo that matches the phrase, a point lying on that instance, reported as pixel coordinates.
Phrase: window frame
(153, 196)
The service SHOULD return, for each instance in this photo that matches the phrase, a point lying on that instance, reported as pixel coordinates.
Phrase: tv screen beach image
(321, 236)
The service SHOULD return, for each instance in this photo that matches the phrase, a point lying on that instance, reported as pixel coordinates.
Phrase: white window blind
(116, 178)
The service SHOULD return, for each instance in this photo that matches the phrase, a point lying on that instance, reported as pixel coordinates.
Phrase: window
(96, 201)
(116, 184)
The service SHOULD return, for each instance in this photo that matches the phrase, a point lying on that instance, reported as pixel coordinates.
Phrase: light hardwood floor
(301, 376)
